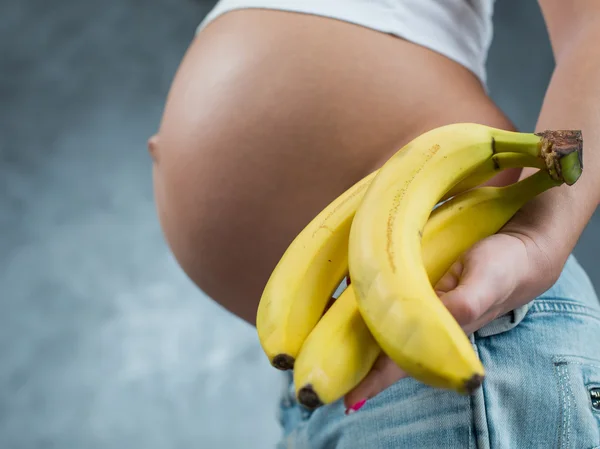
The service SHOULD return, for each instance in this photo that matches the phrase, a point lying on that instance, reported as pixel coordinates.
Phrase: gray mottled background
(104, 343)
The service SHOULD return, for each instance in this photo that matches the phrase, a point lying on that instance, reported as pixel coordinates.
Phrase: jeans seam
(571, 401)
(575, 362)
(558, 305)
(478, 404)
(566, 360)
(567, 401)
(472, 435)
(561, 420)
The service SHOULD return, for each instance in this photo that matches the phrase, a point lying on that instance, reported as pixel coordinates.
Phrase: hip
(542, 388)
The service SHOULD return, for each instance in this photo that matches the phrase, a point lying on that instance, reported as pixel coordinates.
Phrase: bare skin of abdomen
(271, 116)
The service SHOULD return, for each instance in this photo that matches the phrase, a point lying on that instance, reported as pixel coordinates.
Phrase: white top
(459, 29)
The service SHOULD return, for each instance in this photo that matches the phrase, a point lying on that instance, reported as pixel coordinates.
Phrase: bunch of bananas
(394, 234)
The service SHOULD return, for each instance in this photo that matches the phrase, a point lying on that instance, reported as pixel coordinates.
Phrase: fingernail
(356, 407)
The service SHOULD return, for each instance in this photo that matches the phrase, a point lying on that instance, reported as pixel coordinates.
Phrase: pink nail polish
(355, 407)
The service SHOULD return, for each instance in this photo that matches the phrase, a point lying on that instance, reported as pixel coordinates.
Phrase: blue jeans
(542, 388)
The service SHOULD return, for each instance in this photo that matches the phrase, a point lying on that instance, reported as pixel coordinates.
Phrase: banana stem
(571, 167)
(562, 151)
(493, 166)
(516, 142)
(528, 188)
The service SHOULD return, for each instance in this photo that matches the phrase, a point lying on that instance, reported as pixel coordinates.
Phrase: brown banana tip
(473, 383)
(308, 397)
(283, 362)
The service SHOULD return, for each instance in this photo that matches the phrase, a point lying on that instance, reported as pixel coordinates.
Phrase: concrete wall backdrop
(104, 343)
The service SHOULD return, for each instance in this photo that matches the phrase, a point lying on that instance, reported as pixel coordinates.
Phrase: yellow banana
(305, 278)
(316, 261)
(391, 283)
(340, 350)
(458, 224)
(336, 355)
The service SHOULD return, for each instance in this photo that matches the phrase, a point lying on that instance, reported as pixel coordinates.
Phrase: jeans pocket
(578, 383)
(505, 322)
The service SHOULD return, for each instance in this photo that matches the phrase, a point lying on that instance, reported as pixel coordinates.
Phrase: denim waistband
(573, 292)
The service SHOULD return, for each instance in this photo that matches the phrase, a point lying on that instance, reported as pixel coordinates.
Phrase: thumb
(476, 287)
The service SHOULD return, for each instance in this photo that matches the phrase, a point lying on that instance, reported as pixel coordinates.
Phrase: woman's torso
(271, 116)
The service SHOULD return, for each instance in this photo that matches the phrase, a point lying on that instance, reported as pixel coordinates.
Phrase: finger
(486, 318)
(479, 282)
(451, 279)
(383, 374)
(472, 326)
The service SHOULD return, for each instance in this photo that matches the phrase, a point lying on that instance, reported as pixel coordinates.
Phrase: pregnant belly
(270, 117)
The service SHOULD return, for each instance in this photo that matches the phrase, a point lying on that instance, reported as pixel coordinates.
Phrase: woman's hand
(514, 266)
(499, 274)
